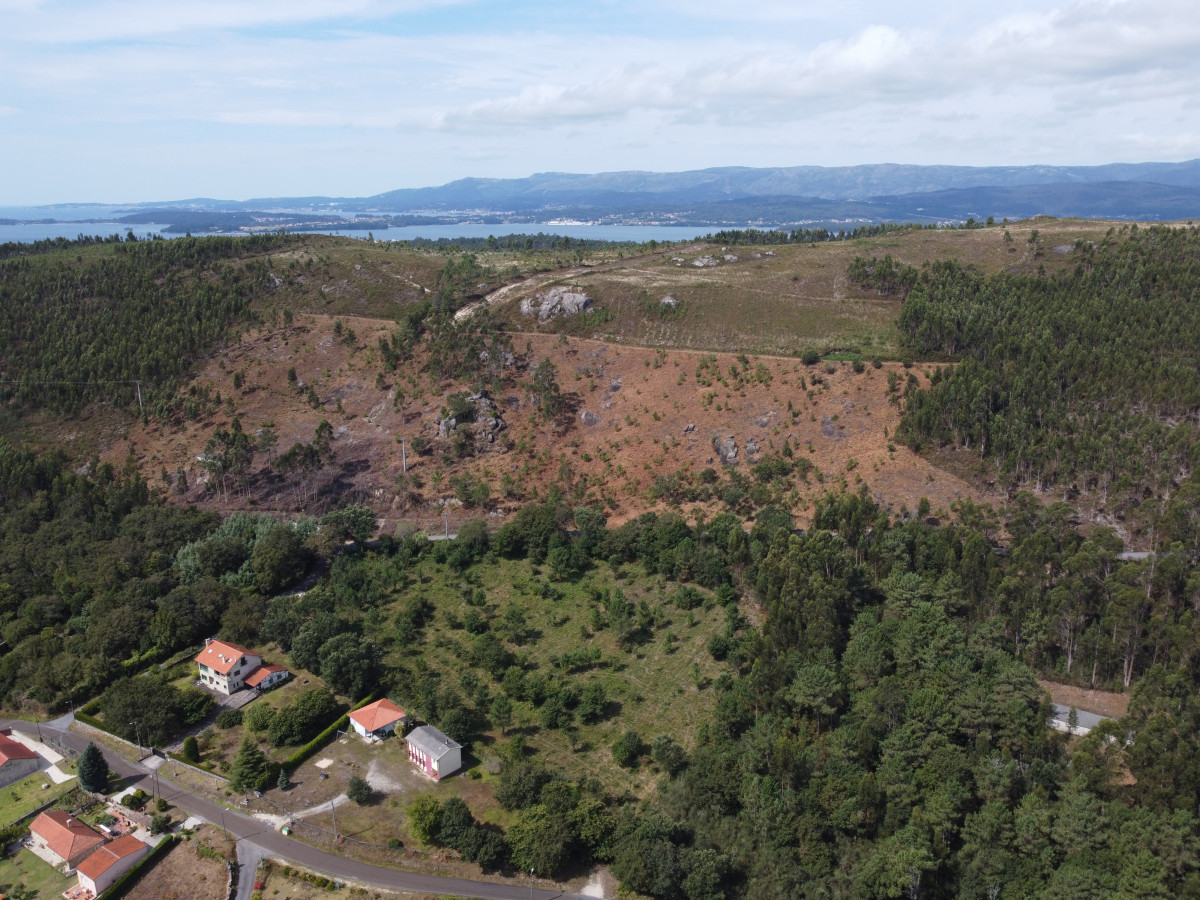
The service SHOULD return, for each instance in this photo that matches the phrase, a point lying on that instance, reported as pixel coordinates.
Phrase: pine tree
(249, 769)
(283, 782)
(93, 770)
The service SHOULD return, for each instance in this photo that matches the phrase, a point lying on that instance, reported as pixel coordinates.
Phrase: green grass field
(22, 797)
(794, 299)
(25, 868)
(656, 687)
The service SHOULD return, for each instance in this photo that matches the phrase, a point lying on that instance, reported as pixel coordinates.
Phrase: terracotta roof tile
(221, 656)
(377, 715)
(109, 855)
(255, 678)
(10, 749)
(64, 834)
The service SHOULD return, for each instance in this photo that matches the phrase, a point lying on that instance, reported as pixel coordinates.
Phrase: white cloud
(664, 86)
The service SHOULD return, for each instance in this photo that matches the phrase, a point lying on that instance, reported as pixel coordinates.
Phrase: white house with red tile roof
(224, 666)
(60, 838)
(227, 668)
(110, 862)
(16, 760)
(266, 677)
(377, 719)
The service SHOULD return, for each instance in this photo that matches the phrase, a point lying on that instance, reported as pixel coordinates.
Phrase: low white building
(110, 862)
(266, 677)
(433, 752)
(377, 719)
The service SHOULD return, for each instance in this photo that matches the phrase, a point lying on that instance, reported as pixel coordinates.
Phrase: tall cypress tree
(93, 770)
(249, 769)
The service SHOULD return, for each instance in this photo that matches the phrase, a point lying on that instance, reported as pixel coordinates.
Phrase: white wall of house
(112, 873)
(448, 763)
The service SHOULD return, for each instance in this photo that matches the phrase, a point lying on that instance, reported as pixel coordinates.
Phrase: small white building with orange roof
(377, 719)
(110, 862)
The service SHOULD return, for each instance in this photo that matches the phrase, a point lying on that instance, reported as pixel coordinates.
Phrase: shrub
(229, 718)
(258, 717)
(159, 824)
(358, 790)
(191, 749)
(425, 818)
(627, 748)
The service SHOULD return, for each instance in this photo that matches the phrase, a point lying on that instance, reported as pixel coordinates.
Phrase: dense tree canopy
(1090, 378)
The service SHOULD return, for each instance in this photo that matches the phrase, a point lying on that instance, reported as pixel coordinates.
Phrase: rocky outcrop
(555, 303)
(726, 449)
(484, 415)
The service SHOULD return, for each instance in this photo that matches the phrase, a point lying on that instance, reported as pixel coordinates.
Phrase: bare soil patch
(627, 421)
(184, 874)
(1105, 703)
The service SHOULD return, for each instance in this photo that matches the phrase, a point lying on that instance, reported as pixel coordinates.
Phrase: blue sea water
(41, 230)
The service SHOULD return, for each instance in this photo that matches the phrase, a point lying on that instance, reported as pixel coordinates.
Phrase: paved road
(251, 831)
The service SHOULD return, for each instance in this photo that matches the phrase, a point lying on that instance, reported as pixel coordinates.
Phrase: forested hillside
(1088, 380)
(79, 328)
(871, 724)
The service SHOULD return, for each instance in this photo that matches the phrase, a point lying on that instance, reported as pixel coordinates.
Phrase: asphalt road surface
(259, 839)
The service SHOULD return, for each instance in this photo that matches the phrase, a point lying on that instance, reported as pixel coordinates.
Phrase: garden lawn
(20, 798)
(27, 869)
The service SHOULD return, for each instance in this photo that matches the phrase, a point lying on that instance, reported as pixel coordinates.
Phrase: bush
(358, 790)
(719, 646)
(258, 717)
(191, 749)
(303, 717)
(425, 818)
(627, 748)
(229, 718)
(159, 824)
(668, 753)
(810, 357)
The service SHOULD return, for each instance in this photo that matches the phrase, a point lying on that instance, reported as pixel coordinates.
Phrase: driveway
(269, 842)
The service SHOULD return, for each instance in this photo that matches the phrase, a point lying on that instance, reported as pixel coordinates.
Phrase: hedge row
(301, 756)
(125, 883)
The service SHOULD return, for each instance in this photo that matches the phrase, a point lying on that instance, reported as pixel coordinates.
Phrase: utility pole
(333, 808)
(403, 456)
(138, 732)
(141, 408)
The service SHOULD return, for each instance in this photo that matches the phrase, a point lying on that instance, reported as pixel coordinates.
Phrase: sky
(142, 100)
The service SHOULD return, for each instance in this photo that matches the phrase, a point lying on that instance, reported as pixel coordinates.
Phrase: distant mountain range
(727, 197)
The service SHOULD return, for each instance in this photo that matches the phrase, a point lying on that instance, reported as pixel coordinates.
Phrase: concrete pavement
(271, 843)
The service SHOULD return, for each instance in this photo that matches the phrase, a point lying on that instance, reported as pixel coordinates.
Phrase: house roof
(432, 742)
(221, 656)
(64, 834)
(10, 750)
(109, 855)
(379, 714)
(255, 678)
